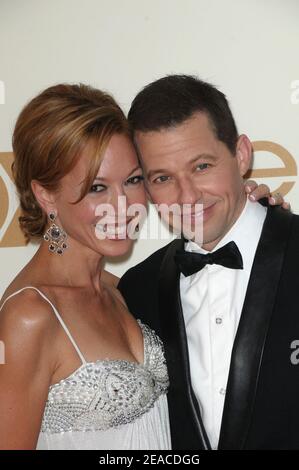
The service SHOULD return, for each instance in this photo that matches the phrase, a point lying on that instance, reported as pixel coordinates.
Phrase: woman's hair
(49, 136)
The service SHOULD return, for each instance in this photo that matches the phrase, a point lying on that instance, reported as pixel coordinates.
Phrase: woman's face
(100, 222)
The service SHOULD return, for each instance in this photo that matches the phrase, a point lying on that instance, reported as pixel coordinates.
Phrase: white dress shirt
(212, 301)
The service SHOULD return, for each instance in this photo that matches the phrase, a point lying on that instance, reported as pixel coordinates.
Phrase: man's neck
(212, 244)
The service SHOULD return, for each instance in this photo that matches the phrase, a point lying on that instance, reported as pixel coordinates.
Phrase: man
(226, 310)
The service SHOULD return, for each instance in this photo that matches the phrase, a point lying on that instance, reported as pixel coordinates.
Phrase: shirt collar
(245, 232)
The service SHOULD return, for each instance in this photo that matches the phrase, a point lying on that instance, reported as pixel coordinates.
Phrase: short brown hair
(49, 135)
(169, 101)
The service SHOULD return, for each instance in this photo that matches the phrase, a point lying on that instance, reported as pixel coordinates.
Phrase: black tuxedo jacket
(261, 409)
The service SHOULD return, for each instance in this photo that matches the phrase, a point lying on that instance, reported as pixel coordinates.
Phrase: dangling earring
(55, 236)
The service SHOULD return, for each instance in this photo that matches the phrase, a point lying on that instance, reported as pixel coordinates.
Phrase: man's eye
(161, 179)
(135, 179)
(97, 188)
(202, 166)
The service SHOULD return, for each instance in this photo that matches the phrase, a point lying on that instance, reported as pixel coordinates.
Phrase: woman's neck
(78, 266)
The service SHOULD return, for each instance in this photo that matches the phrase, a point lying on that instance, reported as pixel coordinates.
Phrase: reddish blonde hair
(49, 135)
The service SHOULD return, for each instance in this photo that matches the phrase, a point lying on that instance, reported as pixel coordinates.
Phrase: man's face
(187, 164)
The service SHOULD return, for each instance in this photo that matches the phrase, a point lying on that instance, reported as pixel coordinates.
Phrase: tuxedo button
(222, 391)
(218, 321)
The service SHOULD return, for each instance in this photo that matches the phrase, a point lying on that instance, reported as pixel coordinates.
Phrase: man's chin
(196, 237)
(210, 240)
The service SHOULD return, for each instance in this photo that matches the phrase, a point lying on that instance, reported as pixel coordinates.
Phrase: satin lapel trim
(173, 335)
(169, 302)
(250, 339)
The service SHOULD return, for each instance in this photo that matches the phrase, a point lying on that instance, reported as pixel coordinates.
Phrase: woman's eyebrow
(100, 178)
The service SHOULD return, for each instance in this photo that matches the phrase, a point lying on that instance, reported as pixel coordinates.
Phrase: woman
(80, 372)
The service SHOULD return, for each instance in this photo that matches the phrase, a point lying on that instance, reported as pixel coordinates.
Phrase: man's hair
(169, 101)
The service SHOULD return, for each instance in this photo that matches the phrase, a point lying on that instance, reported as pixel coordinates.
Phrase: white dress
(110, 404)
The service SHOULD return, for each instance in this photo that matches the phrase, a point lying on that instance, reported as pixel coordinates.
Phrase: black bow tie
(190, 263)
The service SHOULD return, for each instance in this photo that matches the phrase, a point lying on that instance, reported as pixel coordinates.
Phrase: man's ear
(244, 154)
(45, 198)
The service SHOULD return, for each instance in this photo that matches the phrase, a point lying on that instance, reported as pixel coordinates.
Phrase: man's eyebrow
(155, 172)
(203, 156)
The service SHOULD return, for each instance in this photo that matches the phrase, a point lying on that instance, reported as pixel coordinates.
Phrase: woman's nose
(119, 202)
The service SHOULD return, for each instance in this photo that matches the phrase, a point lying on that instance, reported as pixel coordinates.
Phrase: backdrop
(248, 48)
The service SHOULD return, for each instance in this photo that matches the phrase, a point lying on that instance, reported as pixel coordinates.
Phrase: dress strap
(57, 315)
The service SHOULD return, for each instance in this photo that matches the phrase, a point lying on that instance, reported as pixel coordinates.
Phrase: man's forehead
(189, 148)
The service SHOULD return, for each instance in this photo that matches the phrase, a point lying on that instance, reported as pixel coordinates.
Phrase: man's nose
(188, 192)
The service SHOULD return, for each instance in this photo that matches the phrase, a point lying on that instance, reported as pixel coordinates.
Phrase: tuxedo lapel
(250, 339)
(186, 425)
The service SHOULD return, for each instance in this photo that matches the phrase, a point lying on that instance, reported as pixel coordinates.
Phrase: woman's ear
(244, 154)
(45, 198)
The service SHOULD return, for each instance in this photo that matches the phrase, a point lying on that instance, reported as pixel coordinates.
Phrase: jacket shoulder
(145, 269)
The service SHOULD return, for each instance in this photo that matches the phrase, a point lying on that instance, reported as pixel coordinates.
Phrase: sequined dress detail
(109, 404)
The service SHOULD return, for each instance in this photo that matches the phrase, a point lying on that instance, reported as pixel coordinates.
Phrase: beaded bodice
(105, 394)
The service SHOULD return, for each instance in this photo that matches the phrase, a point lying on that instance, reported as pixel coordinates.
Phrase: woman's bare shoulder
(27, 331)
(26, 312)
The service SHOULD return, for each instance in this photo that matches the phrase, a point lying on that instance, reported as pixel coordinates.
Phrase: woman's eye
(135, 179)
(202, 166)
(161, 179)
(97, 188)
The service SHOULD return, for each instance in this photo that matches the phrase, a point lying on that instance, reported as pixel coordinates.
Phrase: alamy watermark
(185, 220)
(2, 92)
(295, 354)
(2, 353)
(295, 93)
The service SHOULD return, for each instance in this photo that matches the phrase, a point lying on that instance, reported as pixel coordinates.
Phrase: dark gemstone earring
(55, 236)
